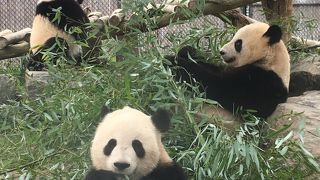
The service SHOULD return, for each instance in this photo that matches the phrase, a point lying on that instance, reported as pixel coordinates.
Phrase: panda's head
(40, 1)
(128, 142)
(250, 44)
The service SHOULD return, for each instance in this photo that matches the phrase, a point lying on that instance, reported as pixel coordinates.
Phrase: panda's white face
(126, 142)
(247, 46)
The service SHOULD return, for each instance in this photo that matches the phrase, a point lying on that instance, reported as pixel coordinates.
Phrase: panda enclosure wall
(16, 15)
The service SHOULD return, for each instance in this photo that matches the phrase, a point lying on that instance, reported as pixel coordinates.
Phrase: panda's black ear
(274, 34)
(161, 119)
(80, 1)
(104, 111)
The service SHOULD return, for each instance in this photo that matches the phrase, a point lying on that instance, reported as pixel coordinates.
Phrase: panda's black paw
(187, 52)
(184, 54)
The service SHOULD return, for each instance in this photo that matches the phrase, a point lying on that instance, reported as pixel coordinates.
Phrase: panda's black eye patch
(109, 147)
(138, 148)
(238, 45)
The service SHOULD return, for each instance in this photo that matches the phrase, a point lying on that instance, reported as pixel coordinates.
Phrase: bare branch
(218, 6)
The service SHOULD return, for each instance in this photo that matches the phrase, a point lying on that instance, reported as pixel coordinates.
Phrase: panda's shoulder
(257, 73)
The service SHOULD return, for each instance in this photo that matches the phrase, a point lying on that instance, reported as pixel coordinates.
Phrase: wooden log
(99, 22)
(186, 3)
(15, 50)
(15, 37)
(116, 17)
(306, 42)
(236, 18)
(163, 7)
(95, 13)
(104, 19)
(213, 7)
(93, 18)
(5, 32)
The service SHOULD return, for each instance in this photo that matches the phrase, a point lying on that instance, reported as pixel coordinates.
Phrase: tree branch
(212, 7)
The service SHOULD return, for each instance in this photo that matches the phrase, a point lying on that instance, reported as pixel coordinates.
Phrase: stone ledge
(7, 88)
(35, 82)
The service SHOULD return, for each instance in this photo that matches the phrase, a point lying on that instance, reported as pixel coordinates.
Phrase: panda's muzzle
(230, 60)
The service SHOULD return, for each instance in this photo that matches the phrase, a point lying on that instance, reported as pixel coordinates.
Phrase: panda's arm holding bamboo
(187, 67)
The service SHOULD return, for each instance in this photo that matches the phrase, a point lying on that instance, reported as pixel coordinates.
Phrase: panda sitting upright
(127, 143)
(258, 72)
(48, 28)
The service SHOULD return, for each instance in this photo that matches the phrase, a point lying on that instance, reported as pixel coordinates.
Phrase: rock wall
(307, 107)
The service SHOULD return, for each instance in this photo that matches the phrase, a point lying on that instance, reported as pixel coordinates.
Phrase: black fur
(166, 172)
(170, 171)
(72, 15)
(274, 33)
(238, 45)
(80, 1)
(303, 81)
(107, 150)
(161, 120)
(94, 174)
(249, 86)
(56, 45)
(138, 148)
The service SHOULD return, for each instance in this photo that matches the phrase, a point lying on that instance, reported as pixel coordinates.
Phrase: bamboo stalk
(169, 8)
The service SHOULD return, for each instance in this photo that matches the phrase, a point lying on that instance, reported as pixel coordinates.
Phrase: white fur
(255, 47)
(126, 125)
(43, 29)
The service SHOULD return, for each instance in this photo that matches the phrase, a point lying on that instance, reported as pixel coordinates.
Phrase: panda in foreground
(257, 75)
(127, 144)
(46, 30)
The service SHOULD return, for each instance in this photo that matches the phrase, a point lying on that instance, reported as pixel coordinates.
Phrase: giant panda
(257, 73)
(47, 30)
(127, 144)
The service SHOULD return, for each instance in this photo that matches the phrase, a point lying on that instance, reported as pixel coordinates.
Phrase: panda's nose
(121, 166)
(222, 52)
